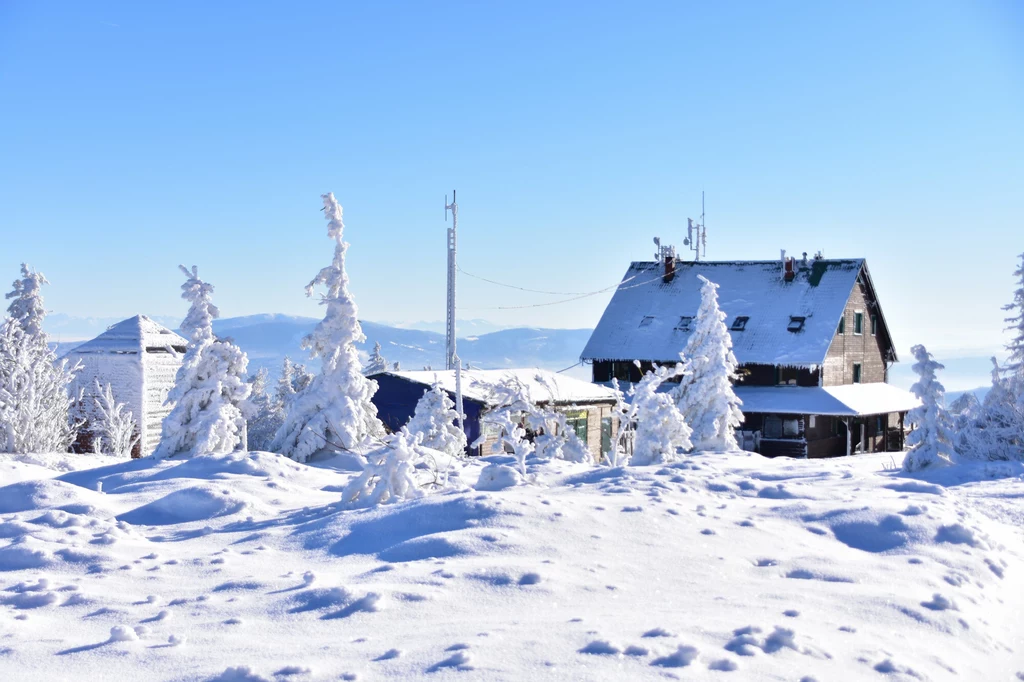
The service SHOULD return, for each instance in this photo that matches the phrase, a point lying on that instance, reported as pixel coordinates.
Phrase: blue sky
(142, 135)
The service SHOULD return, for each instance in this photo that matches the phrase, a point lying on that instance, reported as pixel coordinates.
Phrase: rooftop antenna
(697, 234)
(452, 360)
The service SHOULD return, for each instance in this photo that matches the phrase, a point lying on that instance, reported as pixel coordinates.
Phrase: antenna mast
(697, 234)
(452, 243)
(452, 360)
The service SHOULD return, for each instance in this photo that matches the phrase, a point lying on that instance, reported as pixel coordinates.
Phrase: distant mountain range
(268, 338)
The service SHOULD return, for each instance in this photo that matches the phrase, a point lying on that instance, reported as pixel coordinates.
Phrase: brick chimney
(670, 269)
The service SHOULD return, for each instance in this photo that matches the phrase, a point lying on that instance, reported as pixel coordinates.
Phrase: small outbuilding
(586, 406)
(139, 359)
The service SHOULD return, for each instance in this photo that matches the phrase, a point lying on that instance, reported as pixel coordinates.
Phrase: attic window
(646, 322)
(685, 322)
(796, 324)
(740, 323)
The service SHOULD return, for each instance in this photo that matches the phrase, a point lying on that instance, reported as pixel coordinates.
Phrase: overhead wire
(536, 291)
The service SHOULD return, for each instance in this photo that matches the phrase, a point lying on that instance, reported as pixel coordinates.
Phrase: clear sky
(136, 136)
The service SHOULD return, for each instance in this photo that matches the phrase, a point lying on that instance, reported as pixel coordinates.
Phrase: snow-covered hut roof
(643, 319)
(848, 400)
(132, 336)
(545, 386)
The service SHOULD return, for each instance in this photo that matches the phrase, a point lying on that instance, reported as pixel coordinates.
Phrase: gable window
(796, 323)
(791, 428)
(646, 322)
(856, 372)
(772, 427)
(874, 325)
(842, 325)
(685, 322)
(740, 323)
(858, 323)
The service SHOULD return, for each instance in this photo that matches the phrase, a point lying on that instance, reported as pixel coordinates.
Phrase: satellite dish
(657, 241)
(686, 241)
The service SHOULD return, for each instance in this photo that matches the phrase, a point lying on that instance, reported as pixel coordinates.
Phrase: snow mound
(195, 503)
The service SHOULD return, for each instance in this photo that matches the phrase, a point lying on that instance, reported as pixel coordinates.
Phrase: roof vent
(646, 322)
(796, 323)
(685, 322)
(739, 324)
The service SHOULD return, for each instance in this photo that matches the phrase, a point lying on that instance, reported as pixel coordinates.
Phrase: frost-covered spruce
(294, 379)
(931, 441)
(704, 395)
(1015, 362)
(661, 430)
(267, 412)
(377, 363)
(435, 421)
(115, 431)
(335, 411)
(210, 393)
(388, 476)
(997, 431)
(35, 403)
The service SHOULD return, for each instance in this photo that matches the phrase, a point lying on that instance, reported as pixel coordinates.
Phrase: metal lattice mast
(452, 243)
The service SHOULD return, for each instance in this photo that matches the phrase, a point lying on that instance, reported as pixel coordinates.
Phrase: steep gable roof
(131, 336)
(642, 321)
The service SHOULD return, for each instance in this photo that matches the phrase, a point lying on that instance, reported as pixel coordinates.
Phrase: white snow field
(244, 567)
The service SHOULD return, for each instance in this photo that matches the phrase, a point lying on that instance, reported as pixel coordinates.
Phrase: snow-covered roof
(131, 336)
(545, 386)
(849, 400)
(642, 320)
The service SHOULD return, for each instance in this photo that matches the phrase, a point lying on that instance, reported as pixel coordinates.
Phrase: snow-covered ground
(244, 567)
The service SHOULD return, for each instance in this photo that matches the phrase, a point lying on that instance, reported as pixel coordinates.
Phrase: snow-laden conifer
(267, 413)
(661, 431)
(931, 441)
(389, 475)
(512, 404)
(294, 379)
(210, 393)
(1015, 362)
(705, 396)
(335, 411)
(997, 430)
(376, 363)
(35, 402)
(114, 429)
(26, 307)
(435, 421)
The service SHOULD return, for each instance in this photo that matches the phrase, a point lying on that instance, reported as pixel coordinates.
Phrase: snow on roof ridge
(847, 400)
(131, 334)
(754, 289)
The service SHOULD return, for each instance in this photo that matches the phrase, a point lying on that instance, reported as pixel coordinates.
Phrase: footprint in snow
(683, 656)
(459, 660)
(634, 650)
(723, 664)
(292, 670)
(601, 647)
(389, 654)
(939, 603)
(658, 632)
(791, 613)
(529, 579)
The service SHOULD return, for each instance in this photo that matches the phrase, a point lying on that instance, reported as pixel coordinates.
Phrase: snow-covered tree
(513, 403)
(389, 474)
(35, 403)
(376, 363)
(661, 431)
(966, 404)
(27, 307)
(267, 412)
(114, 428)
(210, 393)
(335, 411)
(931, 441)
(35, 400)
(996, 431)
(705, 396)
(294, 379)
(435, 421)
(1015, 363)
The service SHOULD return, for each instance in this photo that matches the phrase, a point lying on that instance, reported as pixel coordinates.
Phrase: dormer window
(740, 323)
(685, 323)
(646, 322)
(796, 323)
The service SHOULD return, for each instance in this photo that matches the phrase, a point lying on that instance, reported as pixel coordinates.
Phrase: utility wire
(538, 291)
(574, 298)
